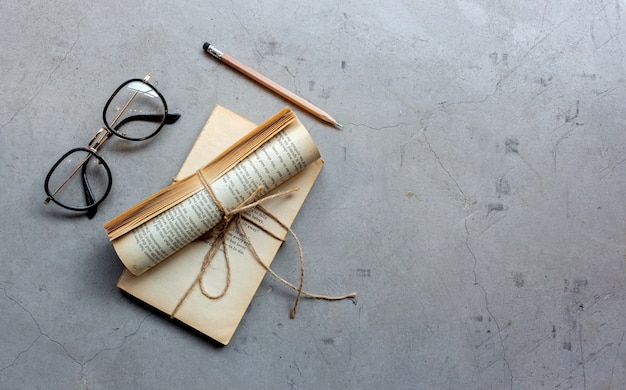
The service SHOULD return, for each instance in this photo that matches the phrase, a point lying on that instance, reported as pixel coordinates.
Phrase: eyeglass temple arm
(89, 198)
(169, 119)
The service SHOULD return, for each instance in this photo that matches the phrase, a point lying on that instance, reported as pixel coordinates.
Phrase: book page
(273, 163)
(163, 287)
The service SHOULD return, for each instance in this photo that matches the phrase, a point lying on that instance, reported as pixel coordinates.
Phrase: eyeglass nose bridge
(99, 139)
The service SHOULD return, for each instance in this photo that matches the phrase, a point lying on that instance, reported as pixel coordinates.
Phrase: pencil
(271, 85)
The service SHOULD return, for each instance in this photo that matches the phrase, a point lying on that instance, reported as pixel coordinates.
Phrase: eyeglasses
(81, 179)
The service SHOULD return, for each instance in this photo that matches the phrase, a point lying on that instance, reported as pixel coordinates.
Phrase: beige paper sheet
(164, 285)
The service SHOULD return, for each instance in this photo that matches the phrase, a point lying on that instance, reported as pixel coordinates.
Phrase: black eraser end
(206, 46)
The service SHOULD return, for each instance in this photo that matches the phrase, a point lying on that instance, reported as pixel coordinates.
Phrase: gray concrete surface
(474, 200)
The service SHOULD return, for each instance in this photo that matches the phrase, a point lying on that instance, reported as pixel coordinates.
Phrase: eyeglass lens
(79, 180)
(136, 111)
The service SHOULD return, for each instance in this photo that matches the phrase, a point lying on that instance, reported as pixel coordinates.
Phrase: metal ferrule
(214, 52)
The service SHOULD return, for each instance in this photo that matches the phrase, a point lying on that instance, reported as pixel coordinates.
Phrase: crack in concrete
(582, 355)
(125, 338)
(538, 41)
(41, 334)
(387, 127)
(487, 308)
(60, 344)
(442, 166)
(41, 86)
(504, 357)
(558, 142)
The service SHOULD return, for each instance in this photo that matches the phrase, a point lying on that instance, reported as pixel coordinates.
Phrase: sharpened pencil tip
(338, 125)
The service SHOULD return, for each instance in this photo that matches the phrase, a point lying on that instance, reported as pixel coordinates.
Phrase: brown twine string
(235, 218)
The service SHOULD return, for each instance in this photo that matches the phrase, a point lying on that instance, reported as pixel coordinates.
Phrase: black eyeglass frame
(92, 205)
(99, 139)
(113, 130)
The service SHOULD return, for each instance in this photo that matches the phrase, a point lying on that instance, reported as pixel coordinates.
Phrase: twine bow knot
(233, 219)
